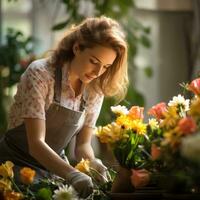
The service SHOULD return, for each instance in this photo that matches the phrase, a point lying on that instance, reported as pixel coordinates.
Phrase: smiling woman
(60, 97)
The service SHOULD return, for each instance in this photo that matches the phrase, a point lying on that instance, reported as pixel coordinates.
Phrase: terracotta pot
(122, 181)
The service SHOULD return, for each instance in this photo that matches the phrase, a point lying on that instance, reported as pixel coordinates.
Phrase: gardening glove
(81, 182)
(100, 174)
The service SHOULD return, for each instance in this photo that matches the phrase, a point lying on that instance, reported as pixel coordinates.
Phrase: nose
(98, 70)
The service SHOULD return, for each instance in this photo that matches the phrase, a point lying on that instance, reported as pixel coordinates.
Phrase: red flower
(187, 125)
(136, 112)
(194, 86)
(158, 110)
(140, 178)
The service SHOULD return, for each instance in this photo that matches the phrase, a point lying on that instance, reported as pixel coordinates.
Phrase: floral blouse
(36, 91)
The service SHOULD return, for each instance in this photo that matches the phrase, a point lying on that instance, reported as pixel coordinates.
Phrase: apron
(62, 124)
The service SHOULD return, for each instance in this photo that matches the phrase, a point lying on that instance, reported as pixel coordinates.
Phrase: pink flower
(158, 110)
(140, 178)
(136, 112)
(187, 125)
(155, 152)
(194, 86)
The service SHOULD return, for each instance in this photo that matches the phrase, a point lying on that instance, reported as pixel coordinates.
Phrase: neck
(74, 80)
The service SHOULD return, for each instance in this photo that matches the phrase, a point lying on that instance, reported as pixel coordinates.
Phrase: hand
(81, 183)
(97, 165)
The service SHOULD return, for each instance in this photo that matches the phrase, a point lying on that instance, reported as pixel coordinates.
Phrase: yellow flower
(125, 121)
(5, 184)
(110, 133)
(172, 138)
(139, 127)
(27, 175)
(83, 166)
(11, 195)
(153, 123)
(171, 118)
(195, 107)
(6, 170)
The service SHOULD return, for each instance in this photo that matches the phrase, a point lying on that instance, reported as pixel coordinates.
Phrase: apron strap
(58, 84)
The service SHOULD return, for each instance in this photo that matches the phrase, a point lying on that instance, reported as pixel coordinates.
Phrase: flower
(187, 125)
(126, 136)
(110, 133)
(180, 101)
(136, 112)
(6, 170)
(11, 195)
(83, 166)
(194, 86)
(5, 184)
(153, 123)
(119, 110)
(27, 175)
(158, 110)
(65, 193)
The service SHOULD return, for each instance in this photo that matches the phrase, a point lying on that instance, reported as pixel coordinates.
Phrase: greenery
(15, 54)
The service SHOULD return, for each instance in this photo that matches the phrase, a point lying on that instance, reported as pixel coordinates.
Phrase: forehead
(105, 54)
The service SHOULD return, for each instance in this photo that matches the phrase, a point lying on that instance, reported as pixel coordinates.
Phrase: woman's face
(91, 63)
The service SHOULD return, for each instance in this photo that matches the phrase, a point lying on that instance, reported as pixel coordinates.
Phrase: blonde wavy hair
(94, 31)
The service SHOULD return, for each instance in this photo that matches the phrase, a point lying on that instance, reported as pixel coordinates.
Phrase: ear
(75, 48)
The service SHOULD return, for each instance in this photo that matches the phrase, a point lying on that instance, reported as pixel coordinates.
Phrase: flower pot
(122, 181)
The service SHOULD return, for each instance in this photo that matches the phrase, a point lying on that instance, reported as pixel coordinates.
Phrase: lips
(89, 77)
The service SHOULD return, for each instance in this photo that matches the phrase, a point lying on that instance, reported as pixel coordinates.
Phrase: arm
(38, 148)
(83, 148)
(49, 159)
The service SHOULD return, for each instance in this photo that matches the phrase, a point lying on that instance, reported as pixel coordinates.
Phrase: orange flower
(155, 151)
(136, 112)
(187, 125)
(194, 86)
(27, 175)
(10, 195)
(140, 178)
(158, 110)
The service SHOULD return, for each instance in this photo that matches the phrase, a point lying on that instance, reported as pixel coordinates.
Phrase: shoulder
(40, 68)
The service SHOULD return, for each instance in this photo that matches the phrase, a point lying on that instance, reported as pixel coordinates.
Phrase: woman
(60, 97)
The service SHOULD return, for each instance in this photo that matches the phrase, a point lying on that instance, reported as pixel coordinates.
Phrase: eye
(94, 62)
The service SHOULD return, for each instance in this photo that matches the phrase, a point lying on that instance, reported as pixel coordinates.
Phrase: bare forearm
(84, 151)
(49, 159)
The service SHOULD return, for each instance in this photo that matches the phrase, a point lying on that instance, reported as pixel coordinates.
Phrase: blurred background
(163, 38)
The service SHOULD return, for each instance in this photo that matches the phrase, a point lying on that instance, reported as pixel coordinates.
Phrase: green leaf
(44, 194)
(60, 25)
(145, 41)
(148, 71)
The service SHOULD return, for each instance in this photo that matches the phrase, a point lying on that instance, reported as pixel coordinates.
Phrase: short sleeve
(93, 106)
(34, 89)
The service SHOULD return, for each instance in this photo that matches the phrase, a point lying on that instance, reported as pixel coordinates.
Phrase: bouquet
(128, 139)
(178, 126)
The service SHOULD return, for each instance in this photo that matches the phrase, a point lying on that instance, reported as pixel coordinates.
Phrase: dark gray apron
(62, 124)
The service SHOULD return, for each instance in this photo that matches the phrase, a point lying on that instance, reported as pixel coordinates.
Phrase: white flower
(180, 100)
(65, 193)
(153, 123)
(190, 147)
(121, 110)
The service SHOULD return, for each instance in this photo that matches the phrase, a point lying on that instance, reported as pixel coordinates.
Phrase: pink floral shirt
(35, 94)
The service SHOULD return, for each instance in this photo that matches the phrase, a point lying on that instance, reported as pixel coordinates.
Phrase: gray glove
(81, 182)
(97, 164)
